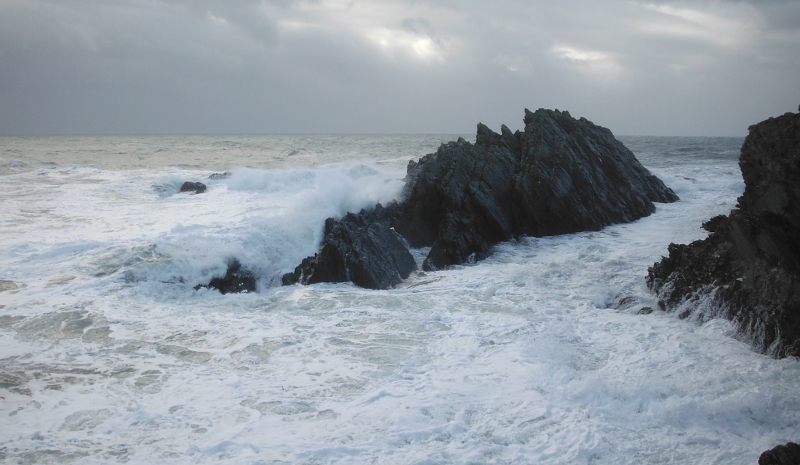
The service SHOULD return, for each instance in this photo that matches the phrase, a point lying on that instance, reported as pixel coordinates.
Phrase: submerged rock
(748, 268)
(362, 248)
(8, 286)
(560, 175)
(218, 176)
(196, 187)
(236, 280)
(788, 454)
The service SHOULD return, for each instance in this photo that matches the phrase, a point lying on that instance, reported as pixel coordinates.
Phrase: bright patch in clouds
(700, 25)
(598, 65)
(580, 56)
(408, 44)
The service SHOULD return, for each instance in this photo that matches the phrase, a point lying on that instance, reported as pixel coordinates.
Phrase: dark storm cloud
(654, 67)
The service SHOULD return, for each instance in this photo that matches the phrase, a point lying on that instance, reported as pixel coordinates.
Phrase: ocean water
(535, 355)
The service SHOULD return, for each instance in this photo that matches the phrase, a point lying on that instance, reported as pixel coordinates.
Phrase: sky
(683, 68)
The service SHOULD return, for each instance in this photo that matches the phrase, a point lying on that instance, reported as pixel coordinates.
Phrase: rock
(781, 455)
(458, 200)
(235, 281)
(362, 248)
(748, 268)
(561, 175)
(196, 187)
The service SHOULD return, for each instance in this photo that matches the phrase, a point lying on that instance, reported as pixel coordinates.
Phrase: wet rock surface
(560, 175)
(236, 280)
(196, 187)
(788, 454)
(362, 248)
(748, 268)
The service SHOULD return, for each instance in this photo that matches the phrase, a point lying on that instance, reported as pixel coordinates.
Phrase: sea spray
(520, 358)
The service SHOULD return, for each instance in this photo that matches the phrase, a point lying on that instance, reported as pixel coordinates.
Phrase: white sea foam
(531, 356)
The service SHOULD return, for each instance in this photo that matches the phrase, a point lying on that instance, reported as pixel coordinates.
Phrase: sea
(540, 354)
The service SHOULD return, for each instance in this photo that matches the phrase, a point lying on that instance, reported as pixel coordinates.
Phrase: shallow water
(535, 355)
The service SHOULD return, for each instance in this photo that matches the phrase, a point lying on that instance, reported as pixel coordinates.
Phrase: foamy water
(535, 355)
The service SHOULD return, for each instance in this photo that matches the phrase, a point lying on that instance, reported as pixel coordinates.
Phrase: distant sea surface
(535, 355)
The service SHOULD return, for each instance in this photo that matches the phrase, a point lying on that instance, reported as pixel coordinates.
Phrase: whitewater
(539, 354)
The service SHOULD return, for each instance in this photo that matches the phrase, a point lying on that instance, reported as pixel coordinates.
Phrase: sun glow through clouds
(699, 25)
(420, 48)
(600, 66)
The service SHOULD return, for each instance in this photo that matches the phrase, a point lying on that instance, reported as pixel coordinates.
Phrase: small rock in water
(235, 281)
(196, 187)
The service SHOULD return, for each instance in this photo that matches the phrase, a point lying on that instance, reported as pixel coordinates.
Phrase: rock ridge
(560, 175)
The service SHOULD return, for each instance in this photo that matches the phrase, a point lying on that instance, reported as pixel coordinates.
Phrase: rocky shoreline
(748, 268)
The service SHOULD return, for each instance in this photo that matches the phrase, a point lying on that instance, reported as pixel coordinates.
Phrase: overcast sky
(393, 66)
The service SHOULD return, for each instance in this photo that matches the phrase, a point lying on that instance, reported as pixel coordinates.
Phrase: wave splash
(266, 219)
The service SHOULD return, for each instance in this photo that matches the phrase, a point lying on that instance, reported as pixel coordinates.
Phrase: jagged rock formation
(196, 187)
(560, 175)
(748, 268)
(361, 248)
(236, 280)
(788, 454)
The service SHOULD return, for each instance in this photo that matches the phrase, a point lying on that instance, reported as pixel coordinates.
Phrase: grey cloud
(255, 23)
(418, 26)
(283, 66)
(779, 14)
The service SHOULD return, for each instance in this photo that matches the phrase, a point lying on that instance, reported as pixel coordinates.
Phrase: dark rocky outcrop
(560, 175)
(748, 268)
(788, 454)
(236, 280)
(196, 187)
(362, 248)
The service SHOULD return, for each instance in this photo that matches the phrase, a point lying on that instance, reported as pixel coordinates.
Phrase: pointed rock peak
(529, 115)
(485, 136)
(542, 113)
(482, 128)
